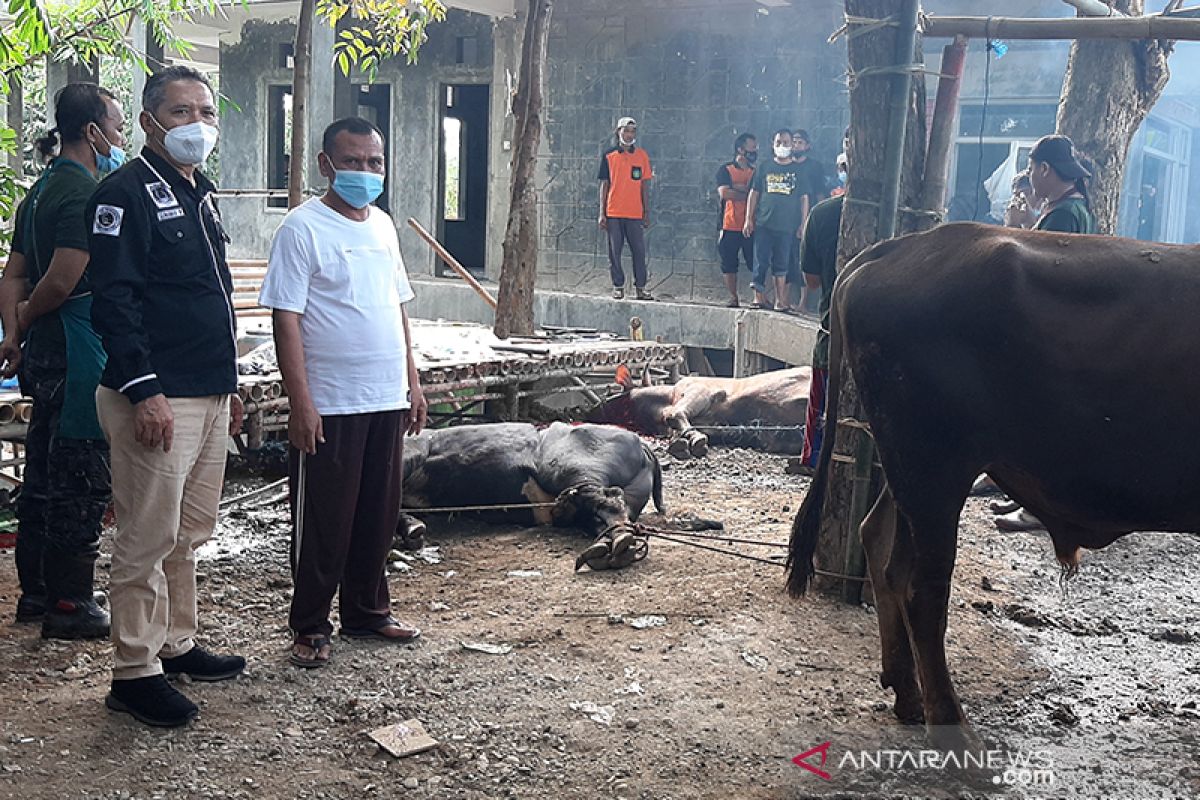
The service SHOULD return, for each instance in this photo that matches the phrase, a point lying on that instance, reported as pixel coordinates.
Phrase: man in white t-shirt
(337, 287)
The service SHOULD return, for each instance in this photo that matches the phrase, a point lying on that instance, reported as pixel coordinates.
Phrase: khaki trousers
(166, 506)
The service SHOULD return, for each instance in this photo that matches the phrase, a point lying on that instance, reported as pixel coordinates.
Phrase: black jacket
(162, 293)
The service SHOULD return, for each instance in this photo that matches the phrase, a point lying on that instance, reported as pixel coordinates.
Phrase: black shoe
(151, 700)
(31, 608)
(75, 619)
(201, 665)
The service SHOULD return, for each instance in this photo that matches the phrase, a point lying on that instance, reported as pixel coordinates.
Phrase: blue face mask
(358, 189)
(111, 162)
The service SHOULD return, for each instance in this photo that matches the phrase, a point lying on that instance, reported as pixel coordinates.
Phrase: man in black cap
(1060, 181)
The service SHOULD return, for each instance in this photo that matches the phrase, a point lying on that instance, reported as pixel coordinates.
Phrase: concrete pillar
(56, 79)
(14, 114)
(322, 97)
(153, 51)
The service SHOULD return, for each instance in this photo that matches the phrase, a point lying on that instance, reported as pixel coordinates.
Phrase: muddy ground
(1099, 685)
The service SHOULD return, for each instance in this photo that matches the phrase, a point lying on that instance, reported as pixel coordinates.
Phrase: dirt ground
(1101, 683)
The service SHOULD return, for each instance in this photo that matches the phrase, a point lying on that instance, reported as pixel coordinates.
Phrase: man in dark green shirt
(45, 303)
(818, 262)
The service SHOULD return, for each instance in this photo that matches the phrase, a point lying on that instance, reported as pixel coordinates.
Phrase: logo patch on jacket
(108, 220)
(161, 194)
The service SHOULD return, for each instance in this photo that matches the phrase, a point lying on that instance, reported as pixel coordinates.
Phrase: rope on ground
(658, 532)
(746, 556)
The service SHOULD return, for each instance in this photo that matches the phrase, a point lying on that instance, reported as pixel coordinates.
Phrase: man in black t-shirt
(775, 213)
(817, 179)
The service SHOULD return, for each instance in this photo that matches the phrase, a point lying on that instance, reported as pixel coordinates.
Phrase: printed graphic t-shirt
(734, 217)
(347, 281)
(780, 188)
(625, 171)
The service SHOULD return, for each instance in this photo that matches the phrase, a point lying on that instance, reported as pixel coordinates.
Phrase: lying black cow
(600, 478)
(1059, 364)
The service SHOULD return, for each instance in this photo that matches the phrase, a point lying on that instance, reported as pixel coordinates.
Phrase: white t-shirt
(347, 280)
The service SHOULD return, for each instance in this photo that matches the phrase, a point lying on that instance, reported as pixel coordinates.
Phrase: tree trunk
(869, 104)
(301, 74)
(1102, 116)
(514, 313)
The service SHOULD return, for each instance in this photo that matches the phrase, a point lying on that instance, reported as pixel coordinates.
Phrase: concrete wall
(694, 75)
(248, 68)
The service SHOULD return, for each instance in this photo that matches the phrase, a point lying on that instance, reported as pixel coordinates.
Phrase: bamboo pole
(1155, 26)
(450, 260)
(941, 129)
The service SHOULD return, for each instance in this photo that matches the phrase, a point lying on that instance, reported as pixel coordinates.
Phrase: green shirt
(1070, 216)
(818, 256)
(780, 188)
(53, 215)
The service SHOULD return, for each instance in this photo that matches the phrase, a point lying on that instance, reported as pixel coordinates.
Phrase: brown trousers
(345, 502)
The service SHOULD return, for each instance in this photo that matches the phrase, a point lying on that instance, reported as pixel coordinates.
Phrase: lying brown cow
(1059, 364)
(753, 409)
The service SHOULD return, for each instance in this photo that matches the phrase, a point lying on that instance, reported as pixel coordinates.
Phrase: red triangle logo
(802, 760)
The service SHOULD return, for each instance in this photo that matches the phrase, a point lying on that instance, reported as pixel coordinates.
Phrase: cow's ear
(624, 377)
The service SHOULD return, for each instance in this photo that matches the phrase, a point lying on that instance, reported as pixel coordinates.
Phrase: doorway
(463, 174)
(375, 105)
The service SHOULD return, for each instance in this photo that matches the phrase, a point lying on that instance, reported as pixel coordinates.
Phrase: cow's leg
(890, 568)
(934, 536)
(687, 441)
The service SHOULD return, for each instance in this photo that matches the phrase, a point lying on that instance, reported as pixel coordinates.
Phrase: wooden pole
(1155, 26)
(452, 262)
(301, 81)
(941, 128)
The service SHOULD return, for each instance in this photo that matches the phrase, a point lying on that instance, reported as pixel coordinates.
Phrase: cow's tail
(806, 528)
(657, 486)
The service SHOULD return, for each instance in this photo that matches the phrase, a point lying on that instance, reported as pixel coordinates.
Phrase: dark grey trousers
(619, 232)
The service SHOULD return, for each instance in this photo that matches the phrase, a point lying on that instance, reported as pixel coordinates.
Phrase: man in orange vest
(624, 206)
(733, 187)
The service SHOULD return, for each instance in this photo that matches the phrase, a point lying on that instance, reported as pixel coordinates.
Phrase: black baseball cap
(1059, 152)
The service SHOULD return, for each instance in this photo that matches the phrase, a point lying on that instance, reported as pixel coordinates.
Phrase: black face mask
(750, 156)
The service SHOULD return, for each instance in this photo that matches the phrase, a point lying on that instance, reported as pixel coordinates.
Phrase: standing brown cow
(1060, 364)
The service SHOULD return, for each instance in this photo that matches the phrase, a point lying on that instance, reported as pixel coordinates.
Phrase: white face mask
(782, 151)
(190, 144)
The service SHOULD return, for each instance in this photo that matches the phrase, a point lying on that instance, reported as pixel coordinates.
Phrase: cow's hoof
(954, 738)
(596, 551)
(678, 448)
(698, 447)
(621, 542)
(410, 534)
(909, 711)
(623, 559)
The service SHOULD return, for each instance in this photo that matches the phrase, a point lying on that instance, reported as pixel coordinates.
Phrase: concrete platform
(768, 333)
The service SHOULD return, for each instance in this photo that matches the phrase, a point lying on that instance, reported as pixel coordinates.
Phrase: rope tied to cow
(681, 537)
(494, 507)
